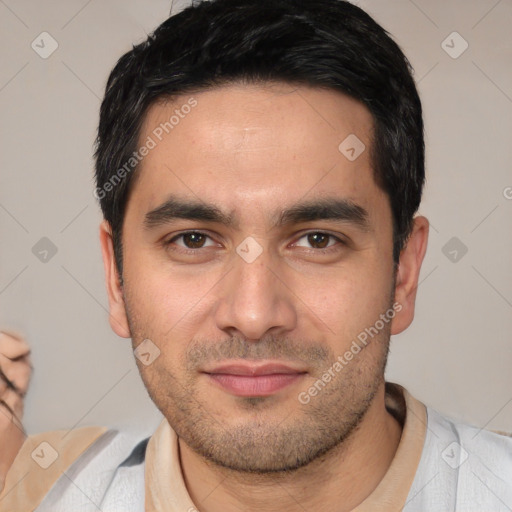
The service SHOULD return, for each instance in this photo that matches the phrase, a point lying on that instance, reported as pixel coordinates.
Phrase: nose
(255, 300)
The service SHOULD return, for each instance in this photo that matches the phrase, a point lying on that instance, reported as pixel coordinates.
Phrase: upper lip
(254, 369)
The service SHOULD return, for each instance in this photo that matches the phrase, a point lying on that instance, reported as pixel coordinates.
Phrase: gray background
(457, 355)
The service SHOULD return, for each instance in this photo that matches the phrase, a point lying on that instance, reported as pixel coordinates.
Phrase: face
(256, 255)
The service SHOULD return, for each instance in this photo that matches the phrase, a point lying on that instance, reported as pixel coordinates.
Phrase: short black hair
(330, 44)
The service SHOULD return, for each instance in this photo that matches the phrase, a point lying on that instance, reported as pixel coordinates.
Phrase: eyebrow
(175, 208)
(335, 209)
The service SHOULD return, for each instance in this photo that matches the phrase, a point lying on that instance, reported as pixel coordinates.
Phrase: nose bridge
(253, 300)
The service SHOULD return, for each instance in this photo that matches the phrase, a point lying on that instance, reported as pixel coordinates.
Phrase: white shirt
(440, 465)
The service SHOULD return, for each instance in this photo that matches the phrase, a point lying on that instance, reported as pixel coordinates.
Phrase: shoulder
(463, 467)
(40, 461)
(474, 443)
(110, 471)
(49, 465)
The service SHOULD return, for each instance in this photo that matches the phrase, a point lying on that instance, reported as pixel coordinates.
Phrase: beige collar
(166, 490)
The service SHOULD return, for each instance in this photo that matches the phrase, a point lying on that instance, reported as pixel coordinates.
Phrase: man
(259, 166)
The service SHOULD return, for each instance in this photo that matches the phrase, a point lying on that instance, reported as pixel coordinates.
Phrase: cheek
(348, 302)
(166, 302)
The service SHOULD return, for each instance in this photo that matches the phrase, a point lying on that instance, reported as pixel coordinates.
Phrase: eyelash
(183, 250)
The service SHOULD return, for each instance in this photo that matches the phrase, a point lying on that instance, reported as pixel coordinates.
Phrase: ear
(408, 273)
(118, 319)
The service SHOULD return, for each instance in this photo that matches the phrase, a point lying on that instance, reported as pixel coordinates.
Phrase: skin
(15, 365)
(254, 150)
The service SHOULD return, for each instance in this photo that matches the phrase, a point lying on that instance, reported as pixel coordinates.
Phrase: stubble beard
(253, 440)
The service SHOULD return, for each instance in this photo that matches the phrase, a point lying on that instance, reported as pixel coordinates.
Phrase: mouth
(253, 380)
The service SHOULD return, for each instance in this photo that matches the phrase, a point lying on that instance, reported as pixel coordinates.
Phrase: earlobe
(118, 319)
(408, 273)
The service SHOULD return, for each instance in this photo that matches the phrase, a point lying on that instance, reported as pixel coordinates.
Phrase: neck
(339, 480)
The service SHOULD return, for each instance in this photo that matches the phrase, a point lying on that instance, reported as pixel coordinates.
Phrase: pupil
(314, 239)
(196, 240)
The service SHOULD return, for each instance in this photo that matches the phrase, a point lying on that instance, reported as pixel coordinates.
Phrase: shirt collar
(166, 489)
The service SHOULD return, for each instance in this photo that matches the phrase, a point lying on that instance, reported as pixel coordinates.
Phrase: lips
(254, 380)
(254, 369)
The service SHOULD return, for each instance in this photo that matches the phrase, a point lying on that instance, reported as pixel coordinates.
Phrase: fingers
(15, 364)
(15, 372)
(11, 413)
(12, 345)
(7, 383)
(15, 375)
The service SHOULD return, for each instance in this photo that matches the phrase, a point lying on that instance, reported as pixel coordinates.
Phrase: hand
(15, 372)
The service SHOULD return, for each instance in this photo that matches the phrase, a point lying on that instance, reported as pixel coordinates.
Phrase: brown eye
(318, 240)
(193, 240)
(190, 240)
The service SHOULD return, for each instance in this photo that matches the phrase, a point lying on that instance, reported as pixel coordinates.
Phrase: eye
(319, 240)
(191, 240)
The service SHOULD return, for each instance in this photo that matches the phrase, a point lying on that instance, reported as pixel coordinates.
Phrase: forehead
(256, 147)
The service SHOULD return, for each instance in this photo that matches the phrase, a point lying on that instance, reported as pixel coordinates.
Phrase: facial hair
(257, 437)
